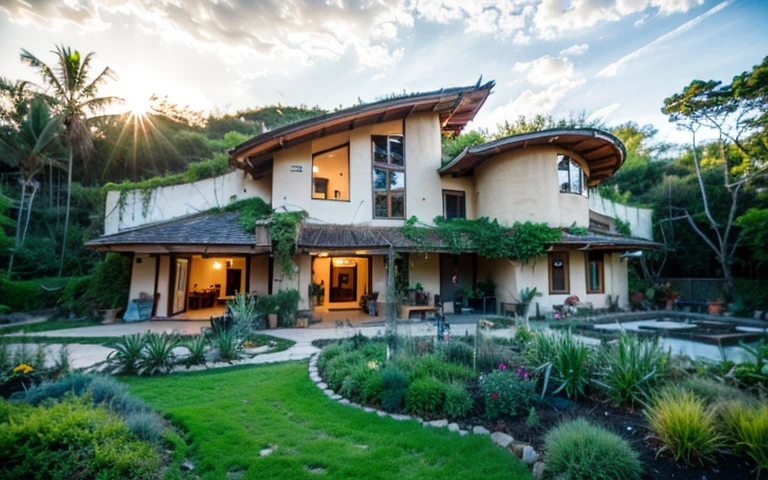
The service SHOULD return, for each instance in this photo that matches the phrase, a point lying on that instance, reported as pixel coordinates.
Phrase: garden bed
(631, 389)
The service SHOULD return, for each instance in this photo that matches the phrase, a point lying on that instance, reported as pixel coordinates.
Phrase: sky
(612, 59)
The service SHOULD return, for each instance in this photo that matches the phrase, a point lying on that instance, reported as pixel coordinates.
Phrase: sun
(138, 105)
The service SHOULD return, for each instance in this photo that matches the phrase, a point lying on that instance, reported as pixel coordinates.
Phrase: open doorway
(340, 281)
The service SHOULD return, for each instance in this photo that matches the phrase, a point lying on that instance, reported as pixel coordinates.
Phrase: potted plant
(716, 307)
(267, 306)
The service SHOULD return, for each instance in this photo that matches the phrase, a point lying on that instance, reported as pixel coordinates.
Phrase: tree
(74, 96)
(28, 148)
(713, 105)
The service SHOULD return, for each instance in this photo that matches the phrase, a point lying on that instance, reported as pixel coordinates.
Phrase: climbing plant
(623, 227)
(489, 238)
(282, 231)
(576, 230)
(251, 210)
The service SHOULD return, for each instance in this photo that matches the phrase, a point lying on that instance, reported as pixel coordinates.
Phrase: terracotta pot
(716, 308)
(670, 304)
(272, 320)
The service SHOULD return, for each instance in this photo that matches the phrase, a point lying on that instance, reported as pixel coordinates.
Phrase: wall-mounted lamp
(361, 252)
(315, 169)
(322, 254)
(217, 265)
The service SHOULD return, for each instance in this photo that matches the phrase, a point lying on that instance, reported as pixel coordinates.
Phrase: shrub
(127, 354)
(147, 425)
(106, 390)
(746, 429)
(579, 450)
(523, 334)
(24, 354)
(287, 302)
(396, 383)
(372, 388)
(75, 383)
(632, 367)
(157, 356)
(456, 352)
(533, 419)
(684, 424)
(71, 439)
(106, 288)
(431, 366)
(713, 391)
(329, 353)
(26, 295)
(569, 360)
(196, 346)
(425, 396)
(458, 403)
(341, 367)
(507, 393)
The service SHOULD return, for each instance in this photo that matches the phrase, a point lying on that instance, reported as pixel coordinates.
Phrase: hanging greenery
(251, 210)
(576, 230)
(282, 231)
(489, 238)
(623, 227)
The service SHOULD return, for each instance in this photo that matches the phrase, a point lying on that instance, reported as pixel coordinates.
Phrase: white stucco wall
(522, 186)
(424, 268)
(292, 189)
(175, 201)
(259, 283)
(640, 219)
(142, 276)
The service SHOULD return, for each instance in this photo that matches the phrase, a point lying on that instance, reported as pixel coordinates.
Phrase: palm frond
(46, 72)
(106, 75)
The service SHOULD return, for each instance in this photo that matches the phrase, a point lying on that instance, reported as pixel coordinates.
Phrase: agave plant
(527, 296)
(242, 310)
(157, 356)
(227, 344)
(561, 358)
(196, 346)
(127, 354)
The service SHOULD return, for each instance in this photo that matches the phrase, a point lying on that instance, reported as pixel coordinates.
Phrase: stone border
(525, 452)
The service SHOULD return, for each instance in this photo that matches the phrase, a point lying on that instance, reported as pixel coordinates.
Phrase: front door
(180, 286)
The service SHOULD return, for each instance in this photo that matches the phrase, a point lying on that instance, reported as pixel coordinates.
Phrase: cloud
(240, 30)
(546, 70)
(555, 18)
(603, 112)
(531, 103)
(612, 69)
(575, 50)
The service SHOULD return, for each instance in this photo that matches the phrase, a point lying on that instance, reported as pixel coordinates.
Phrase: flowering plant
(23, 368)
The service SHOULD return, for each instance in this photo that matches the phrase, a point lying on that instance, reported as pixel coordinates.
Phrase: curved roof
(455, 106)
(603, 152)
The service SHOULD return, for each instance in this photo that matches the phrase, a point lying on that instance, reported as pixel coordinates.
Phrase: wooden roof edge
(345, 114)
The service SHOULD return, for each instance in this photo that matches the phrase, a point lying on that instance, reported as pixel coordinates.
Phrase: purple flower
(502, 366)
(494, 395)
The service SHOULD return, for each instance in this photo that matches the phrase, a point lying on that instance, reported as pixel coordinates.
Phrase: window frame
(388, 168)
(566, 272)
(600, 272)
(583, 180)
(312, 176)
(458, 193)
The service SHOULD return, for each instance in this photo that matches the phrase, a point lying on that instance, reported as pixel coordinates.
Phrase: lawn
(48, 326)
(231, 414)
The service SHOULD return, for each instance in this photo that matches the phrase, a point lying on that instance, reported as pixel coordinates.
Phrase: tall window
(558, 273)
(388, 176)
(570, 176)
(595, 272)
(330, 174)
(454, 205)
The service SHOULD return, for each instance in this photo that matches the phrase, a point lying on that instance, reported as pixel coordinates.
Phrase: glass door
(180, 288)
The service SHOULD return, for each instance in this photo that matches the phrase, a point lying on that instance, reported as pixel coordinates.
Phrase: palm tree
(27, 147)
(74, 97)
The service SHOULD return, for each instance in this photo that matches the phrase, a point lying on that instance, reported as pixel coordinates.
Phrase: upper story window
(388, 157)
(330, 174)
(454, 204)
(570, 176)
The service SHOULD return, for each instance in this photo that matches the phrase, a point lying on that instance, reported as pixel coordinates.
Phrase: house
(359, 174)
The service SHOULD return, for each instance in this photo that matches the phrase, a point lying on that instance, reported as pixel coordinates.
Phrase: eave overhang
(455, 107)
(603, 152)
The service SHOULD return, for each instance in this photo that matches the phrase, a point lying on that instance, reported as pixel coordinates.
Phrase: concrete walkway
(83, 356)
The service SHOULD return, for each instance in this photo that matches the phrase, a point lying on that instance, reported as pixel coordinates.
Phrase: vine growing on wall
(576, 230)
(623, 227)
(282, 230)
(489, 238)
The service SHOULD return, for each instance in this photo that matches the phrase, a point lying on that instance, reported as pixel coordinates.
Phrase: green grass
(230, 414)
(48, 326)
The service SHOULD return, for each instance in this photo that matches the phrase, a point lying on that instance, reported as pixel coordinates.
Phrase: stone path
(88, 355)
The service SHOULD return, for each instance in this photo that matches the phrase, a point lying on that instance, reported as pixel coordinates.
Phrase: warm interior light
(322, 254)
(217, 265)
(361, 252)
(344, 262)
(315, 169)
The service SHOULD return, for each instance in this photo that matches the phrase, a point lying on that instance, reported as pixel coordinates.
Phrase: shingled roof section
(203, 229)
(314, 237)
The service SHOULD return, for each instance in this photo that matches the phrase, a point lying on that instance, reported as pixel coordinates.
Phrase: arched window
(570, 176)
